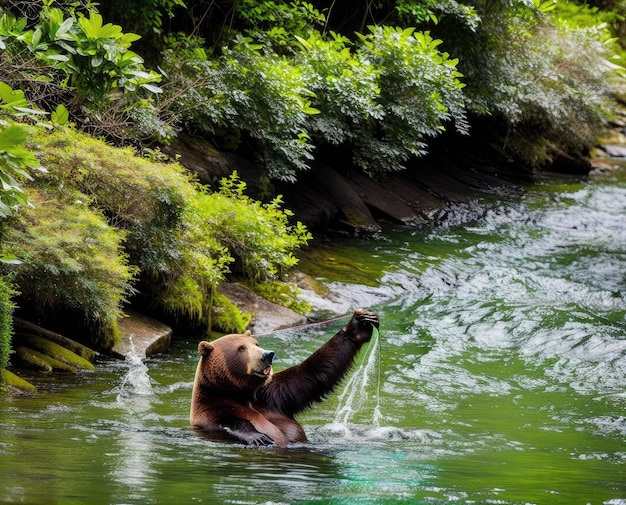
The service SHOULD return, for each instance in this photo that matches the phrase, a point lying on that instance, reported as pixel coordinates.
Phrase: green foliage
(15, 158)
(543, 83)
(420, 92)
(146, 17)
(259, 236)
(154, 203)
(381, 99)
(6, 325)
(227, 317)
(163, 234)
(95, 57)
(77, 60)
(431, 11)
(282, 293)
(276, 23)
(261, 95)
(70, 258)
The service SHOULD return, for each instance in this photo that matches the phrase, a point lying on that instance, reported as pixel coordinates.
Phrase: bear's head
(234, 363)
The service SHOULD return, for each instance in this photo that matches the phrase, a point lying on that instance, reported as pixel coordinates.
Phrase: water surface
(499, 377)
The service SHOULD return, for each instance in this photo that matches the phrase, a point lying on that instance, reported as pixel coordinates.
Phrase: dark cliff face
(331, 199)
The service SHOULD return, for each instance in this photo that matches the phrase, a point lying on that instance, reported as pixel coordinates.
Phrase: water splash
(354, 395)
(136, 386)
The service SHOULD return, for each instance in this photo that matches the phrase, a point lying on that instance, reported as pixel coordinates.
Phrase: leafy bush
(249, 94)
(106, 223)
(77, 60)
(154, 203)
(382, 99)
(15, 158)
(258, 235)
(71, 259)
(544, 83)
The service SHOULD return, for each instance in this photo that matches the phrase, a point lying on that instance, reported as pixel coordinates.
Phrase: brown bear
(235, 391)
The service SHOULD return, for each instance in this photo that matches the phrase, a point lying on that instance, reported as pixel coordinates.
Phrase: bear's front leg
(360, 327)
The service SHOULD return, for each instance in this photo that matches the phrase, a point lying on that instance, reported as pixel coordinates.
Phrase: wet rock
(615, 151)
(29, 358)
(26, 328)
(57, 352)
(142, 336)
(10, 380)
(387, 203)
(266, 316)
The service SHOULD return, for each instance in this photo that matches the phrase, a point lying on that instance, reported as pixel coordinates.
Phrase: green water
(499, 377)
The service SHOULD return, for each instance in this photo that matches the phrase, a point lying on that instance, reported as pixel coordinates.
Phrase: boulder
(266, 316)
(142, 336)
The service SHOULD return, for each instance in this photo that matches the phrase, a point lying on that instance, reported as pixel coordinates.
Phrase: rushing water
(499, 376)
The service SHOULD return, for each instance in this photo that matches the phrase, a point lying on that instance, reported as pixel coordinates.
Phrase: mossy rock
(39, 361)
(9, 379)
(23, 327)
(57, 352)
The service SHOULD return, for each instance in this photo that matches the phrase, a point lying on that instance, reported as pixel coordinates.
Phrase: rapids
(498, 376)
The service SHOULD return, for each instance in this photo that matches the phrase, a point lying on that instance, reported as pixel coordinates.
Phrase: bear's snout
(268, 357)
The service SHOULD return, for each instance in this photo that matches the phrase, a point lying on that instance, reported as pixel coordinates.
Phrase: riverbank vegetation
(88, 227)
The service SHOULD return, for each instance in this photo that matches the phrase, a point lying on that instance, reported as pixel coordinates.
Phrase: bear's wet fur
(235, 391)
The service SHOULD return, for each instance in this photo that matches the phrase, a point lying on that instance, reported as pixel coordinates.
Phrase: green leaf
(60, 116)
(91, 27)
(10, 259)
(12, 136)
(63, 32)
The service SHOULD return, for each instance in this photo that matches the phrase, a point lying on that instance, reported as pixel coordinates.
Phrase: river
(499, 377)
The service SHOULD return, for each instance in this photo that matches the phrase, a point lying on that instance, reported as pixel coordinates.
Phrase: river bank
(339, 205)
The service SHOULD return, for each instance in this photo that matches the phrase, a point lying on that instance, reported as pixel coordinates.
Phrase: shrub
(70, 259)
(15, 159)
(246, 94)
(543, 82)
(78, 60)
(154, 203)
(258, 235)
(385, 98)
(106, 222)
(381, 99)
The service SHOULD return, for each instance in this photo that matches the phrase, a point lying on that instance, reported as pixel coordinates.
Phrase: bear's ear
(247, 333)
(205, 348)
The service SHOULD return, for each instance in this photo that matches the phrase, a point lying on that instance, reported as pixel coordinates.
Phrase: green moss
(40, 361)
(227, 317)
(56, 351)
(105, 223)
(9, 379)
(154, 205)
(282, 293)
(23, 327)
